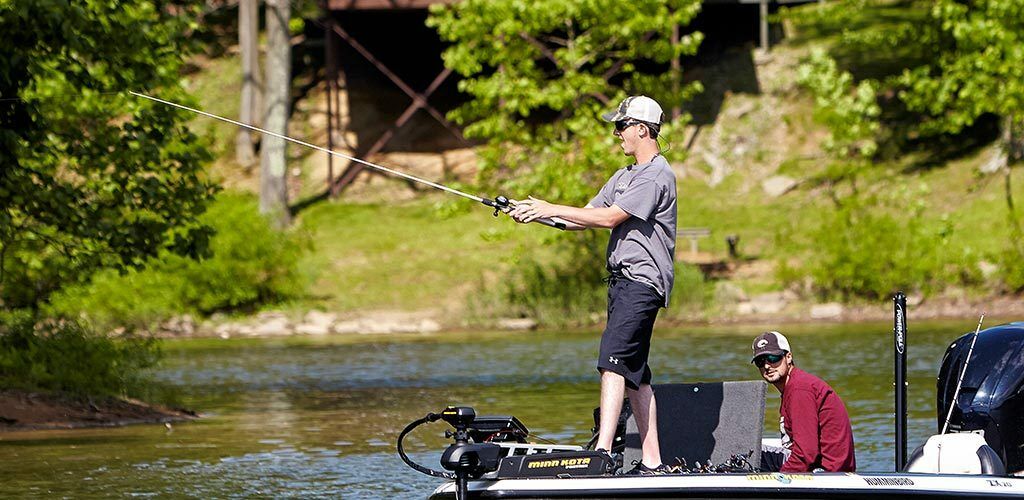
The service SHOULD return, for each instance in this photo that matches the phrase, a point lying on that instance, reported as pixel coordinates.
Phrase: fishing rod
(500, 204)
(956, 392)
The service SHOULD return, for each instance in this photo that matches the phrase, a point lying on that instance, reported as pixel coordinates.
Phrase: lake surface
(305, 417)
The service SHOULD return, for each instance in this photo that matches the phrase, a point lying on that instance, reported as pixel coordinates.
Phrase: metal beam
(382, 4)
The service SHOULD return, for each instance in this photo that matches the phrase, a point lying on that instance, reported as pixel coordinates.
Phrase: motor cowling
(991, 397)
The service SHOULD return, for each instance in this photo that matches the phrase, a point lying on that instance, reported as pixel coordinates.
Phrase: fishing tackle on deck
(499, 203)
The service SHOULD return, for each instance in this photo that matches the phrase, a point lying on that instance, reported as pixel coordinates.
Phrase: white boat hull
(763, 485)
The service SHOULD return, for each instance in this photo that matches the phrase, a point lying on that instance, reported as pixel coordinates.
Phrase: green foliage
(251, 264)
(553, 294)
(539, 73)
(1011, 268)
(91, 177)
(848, 110)
(872, 246)
(978, 66)
(692, 294)
(66, 356)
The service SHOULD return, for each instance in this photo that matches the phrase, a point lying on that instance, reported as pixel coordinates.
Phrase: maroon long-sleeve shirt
(815, 426)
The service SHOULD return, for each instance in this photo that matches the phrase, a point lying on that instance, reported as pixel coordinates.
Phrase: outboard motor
(991, 398)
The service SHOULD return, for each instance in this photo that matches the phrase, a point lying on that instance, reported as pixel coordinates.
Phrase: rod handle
(551, 223)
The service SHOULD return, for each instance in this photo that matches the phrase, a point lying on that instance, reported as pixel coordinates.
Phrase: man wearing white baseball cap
(816, 432)
(638, 204)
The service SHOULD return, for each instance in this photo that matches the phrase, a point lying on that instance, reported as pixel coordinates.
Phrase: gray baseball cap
(638, 107)
(770, 343)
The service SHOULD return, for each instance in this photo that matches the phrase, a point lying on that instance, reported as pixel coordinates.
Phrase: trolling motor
(502, 204)
(464, 458)
(496, 447)
(471, 455)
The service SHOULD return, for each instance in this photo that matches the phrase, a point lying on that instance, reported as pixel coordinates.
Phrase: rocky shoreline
(774, 307)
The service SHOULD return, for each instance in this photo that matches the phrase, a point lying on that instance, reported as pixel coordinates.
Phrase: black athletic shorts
(626, 342)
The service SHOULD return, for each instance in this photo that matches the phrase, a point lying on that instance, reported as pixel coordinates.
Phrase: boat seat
(958, 453)
(705, 422)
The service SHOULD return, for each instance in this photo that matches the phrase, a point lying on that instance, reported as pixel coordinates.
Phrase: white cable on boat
(956, 392)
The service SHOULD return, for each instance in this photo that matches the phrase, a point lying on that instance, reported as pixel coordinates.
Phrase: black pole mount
(900, 377)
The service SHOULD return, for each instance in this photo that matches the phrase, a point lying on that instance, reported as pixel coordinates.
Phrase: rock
(429, 326)
(765, 303)
(320, 317)
(741, 110)
(729, 293)
(915, 299)
(312, 329)
(719, 169)
(996, 162)
(778, 185)
(346, 327)
(177, 326)
(987, 269)
(225, 330)
(316, 323)
(277, 325)
(517, 324)
(830, 310)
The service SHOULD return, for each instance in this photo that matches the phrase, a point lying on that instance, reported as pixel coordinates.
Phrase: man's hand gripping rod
(499, 203)
(504, 205)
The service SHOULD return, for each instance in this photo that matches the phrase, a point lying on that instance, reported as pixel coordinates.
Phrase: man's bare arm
(580, 218)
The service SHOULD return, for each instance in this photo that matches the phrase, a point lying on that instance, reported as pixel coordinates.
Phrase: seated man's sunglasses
(770, 358)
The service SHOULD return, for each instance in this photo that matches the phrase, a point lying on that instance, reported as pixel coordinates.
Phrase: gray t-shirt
(643, 247)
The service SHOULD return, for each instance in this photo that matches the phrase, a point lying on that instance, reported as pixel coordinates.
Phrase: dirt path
(21, 410)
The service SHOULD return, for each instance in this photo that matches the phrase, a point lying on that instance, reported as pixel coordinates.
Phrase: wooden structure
(419, 99)
(333, 32)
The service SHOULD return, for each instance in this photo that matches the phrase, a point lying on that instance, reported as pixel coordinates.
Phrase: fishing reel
(502, 204)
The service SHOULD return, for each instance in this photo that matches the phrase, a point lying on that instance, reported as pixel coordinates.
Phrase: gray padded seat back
(704, 421)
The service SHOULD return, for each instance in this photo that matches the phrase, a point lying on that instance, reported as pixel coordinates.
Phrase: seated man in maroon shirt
(816, 433)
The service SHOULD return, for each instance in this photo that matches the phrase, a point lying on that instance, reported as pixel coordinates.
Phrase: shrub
(864, 250)
(65, 355)
(251, 264)
(568, 289)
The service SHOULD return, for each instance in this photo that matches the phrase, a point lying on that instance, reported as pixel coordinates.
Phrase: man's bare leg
(613, 389)
(645, 410)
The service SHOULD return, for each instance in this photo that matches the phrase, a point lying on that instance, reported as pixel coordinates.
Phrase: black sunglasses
(770, 358)
(624, 124)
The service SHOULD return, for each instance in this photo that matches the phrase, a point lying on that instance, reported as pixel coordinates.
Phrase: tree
(952, 62)
(91, 177)
(248, 43)
(277, 99)
(540, 72)
(977, 69)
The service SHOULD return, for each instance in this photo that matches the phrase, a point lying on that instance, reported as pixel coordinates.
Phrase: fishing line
(499, 203)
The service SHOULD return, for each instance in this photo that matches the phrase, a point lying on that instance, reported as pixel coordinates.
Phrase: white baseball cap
(639, 107)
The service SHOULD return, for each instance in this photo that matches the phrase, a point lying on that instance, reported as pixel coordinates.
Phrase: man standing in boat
(638, 204)
(816, 432)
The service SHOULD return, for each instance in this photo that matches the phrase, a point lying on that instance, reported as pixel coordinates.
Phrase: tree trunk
(1013, 142)
(273, 168)
(248, 42)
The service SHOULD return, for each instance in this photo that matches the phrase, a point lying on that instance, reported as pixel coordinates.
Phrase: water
(319, 417)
